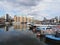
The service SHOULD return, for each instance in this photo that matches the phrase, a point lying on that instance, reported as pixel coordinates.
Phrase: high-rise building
(22, 19)
(7, 17)
(15, 18)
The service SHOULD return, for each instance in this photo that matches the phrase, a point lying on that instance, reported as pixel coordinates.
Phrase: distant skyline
(36, 8)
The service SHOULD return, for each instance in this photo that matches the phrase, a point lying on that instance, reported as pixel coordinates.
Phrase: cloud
(25, 2)
(28, 2)
(35, 8)
(47, 8)
(19, 7)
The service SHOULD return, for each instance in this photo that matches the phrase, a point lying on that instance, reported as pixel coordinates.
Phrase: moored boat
(52, 39)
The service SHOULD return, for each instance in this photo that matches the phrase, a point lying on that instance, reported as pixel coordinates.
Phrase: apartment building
(23, 19)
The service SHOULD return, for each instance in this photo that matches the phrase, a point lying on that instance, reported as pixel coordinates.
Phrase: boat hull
(49, 39)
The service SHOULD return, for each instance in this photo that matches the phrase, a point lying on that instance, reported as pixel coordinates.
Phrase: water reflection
(21, 27)
(6, 28)
(15, 27)
(15, 37)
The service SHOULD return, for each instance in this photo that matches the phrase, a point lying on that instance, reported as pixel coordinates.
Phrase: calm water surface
(19, 35)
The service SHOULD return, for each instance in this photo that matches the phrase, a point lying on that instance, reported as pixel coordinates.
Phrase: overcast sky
(35, 8)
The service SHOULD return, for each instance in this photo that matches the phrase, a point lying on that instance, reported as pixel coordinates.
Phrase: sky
(35, 8)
